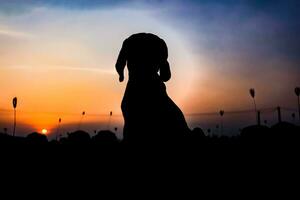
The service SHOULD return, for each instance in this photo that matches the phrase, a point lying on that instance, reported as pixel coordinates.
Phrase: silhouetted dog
(149, 114)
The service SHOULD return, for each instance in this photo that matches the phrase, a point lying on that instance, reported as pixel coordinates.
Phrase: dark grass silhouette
(280, 134)
(150, 115)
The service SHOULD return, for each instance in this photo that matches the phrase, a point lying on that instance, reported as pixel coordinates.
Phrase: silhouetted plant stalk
(82, 115)
(109, 120)
(15, 101)
(58, 127)
(221, 114)
(252, 93)
(297, 92)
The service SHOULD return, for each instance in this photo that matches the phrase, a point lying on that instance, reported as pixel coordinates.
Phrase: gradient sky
(58, 57)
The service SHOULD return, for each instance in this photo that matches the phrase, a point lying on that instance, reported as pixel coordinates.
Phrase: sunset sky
(58, 57)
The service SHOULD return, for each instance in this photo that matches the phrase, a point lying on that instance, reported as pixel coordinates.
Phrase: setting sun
(44, 131)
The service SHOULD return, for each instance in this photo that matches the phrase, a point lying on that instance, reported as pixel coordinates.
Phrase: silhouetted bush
(196, 137)
(105, 137)
(78, 137)
(36, 138)
(285, 132)
(63, 140)
(256, 134)
(4, 138)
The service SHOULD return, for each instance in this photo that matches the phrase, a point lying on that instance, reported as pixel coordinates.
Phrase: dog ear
(164, 71)
(164, 67)
(122, 58)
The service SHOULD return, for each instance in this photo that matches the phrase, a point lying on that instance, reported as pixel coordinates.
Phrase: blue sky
(275, 20)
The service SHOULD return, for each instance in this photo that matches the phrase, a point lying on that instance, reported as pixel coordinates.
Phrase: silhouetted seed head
(15, 106)
(221, 112)
(59, 120)
(83, 113)
(15, 100)
(297, 91)
(252, 92)
(110, 113)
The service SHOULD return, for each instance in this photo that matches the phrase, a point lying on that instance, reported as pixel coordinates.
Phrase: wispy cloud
(14, 33)
(60, 68)
(88, 69)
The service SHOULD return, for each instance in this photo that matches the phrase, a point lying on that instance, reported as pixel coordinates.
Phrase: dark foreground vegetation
(282, 133)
